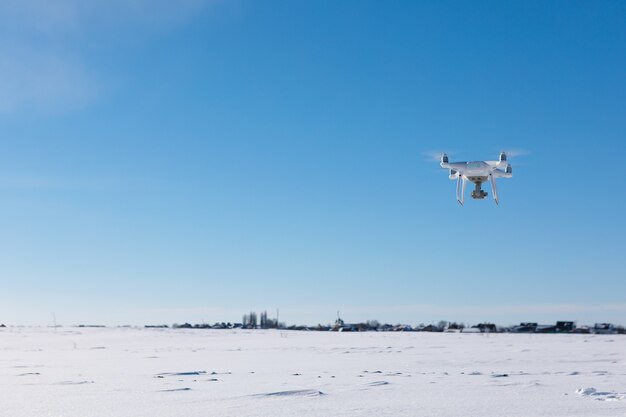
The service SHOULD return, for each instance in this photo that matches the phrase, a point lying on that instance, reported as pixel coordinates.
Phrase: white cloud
(494, 310)
(40, 182)
(60, 17)
(41, 66)
(52, 182)
(40, 79)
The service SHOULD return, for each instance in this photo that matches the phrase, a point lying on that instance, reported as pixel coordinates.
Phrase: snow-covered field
(162, 372)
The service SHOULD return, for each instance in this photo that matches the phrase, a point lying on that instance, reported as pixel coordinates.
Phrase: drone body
(477, 172)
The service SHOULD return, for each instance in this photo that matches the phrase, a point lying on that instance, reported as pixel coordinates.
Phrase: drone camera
(479, 194)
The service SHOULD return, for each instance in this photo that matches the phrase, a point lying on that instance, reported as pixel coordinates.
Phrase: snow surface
(135, 372)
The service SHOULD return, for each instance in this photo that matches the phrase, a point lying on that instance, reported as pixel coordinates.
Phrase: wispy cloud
(49, 182)
(37, 182)
(41, 66)
(494, 310)
(35, 78)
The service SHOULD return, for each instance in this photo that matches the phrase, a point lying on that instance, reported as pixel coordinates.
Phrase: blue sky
(163, 163)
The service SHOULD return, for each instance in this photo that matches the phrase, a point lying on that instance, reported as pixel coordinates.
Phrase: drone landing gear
(460, 189)
(494, 189)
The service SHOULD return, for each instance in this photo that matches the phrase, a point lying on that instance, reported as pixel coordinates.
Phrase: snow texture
(93, 372)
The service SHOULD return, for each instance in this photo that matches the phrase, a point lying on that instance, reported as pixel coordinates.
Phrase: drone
(477, 172)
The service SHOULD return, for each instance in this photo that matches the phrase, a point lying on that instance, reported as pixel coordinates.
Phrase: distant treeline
(261, 321)
(253, 320)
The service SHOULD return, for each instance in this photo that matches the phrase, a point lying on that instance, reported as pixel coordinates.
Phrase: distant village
(254, 321)
(262, 321)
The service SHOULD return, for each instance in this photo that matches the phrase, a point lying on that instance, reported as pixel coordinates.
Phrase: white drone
(477, 172)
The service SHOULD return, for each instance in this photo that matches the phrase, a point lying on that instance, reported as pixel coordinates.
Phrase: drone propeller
(514, 153)
(434, 156)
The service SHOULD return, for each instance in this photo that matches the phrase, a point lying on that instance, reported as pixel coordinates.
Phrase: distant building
(299, 327)
(470, 330)
(565, 326)
(545, 328)
(486, 327)
(604, 328)
(431, 328)
(338, 325)
(454, 327)
(525, 327)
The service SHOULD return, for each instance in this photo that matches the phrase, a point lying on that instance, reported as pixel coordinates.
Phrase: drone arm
(501, 174)
(494, 188)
